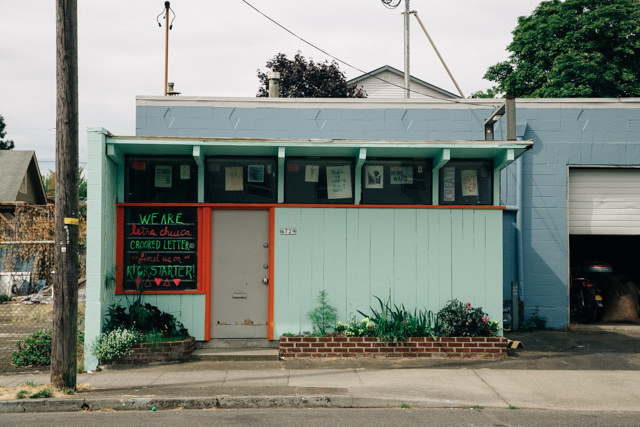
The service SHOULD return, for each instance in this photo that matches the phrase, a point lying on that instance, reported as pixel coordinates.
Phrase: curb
(218, 402)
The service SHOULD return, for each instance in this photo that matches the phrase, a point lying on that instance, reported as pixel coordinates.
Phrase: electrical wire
(354, 67)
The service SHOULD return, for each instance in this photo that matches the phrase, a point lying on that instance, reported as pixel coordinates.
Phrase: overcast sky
(216, 48)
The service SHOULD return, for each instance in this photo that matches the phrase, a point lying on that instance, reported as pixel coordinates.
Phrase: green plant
(30, 383)
(535, 322)
(144, 318)
(355, 328)
(35, 350)
(68, 391)
(324, 316)
(405, 406)
(22, 394)
(394, 324)
(4, 298)
(114, 345)
(43, 393)
(463, 320)
(477, 407)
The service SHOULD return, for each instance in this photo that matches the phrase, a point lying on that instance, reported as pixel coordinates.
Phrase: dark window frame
(253, 190)
(416, 192)
(483, 169)
(298, 189)
(141, 179)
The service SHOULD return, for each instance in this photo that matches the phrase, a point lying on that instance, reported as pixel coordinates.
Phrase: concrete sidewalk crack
(491, 388)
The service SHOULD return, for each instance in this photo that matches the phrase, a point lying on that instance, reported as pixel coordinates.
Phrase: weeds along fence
(26, 274)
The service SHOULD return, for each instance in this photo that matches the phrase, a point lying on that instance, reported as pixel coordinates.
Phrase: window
(311, 180)
(161, 179)
(241, 180)
(398, 181)
(466, 182)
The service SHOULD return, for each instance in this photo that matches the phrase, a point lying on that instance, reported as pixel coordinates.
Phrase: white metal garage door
(604, 201)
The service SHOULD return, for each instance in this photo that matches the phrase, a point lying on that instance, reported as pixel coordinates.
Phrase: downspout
(512, 135)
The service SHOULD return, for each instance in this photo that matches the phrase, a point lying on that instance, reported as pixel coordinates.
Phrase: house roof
(393, 70)
(15, 165)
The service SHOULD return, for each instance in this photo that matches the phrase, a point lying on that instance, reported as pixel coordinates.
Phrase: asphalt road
(329, 417)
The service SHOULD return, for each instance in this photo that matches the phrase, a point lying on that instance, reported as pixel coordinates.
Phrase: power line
(353, 66)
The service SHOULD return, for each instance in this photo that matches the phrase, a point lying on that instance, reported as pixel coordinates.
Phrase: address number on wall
(288, 231)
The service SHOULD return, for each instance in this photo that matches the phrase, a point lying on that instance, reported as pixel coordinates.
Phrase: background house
(20, 187)
(388, 82)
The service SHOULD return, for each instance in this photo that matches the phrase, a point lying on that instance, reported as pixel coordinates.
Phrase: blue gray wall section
(566, 132)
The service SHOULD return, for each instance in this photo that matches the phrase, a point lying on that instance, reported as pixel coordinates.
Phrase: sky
(216, 48)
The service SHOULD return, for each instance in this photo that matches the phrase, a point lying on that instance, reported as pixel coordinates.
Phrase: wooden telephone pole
(65, 283)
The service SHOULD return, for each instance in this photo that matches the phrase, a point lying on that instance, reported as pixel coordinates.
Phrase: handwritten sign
(160, 248)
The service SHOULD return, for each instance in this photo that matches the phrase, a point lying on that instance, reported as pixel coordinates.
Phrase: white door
(604, 201)
(240, 273)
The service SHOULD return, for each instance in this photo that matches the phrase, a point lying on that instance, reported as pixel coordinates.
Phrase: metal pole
(407, 72)
(510, 111)
(438, 53)
(166, 47)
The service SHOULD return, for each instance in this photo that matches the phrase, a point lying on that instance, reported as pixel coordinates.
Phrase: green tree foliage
(573, 48)
(4, 144)
(49, 182)
(302, 78)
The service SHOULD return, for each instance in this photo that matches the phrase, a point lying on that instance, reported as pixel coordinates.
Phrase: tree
(49, 182)
(300, 78)
(573, 48)
(8, 144)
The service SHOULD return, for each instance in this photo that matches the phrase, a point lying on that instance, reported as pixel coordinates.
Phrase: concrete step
(236, 354)
(236, 343)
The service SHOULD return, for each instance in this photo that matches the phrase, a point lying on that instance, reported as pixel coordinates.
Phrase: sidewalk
(365, 384)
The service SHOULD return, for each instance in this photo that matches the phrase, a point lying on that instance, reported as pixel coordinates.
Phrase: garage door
(604, 201)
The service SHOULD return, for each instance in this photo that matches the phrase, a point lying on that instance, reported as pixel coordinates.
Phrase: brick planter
(418, 347)
(147, 352)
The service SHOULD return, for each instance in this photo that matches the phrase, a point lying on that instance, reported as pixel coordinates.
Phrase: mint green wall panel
(424, 257)
(404, 285)
(188, 309)
(101, 239)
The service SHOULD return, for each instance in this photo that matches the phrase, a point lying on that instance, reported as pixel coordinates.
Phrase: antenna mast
(392, 4)
(168, 26)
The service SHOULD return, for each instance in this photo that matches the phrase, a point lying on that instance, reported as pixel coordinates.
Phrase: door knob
(265, 281)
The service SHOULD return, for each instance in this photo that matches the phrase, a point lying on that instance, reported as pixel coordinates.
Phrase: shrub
(463, 320)
(4, 298)
(114, 345)
(144, 318)
(393, 323)
(324, 316)
(35, 350)
(535, 322)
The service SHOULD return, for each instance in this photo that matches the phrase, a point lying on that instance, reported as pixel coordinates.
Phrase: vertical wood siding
(421, 257)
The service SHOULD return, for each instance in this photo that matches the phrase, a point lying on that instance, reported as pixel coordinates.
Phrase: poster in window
(255, 173)
(469, 180)
(311, 173)
(449, 184)
(185, 171)
(339, 182)
(163, 176)
(233, 178)
(401, 175)
(374, 177)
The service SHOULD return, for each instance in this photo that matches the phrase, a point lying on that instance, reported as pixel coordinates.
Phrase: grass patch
(512, 407)
(22, 394)
(405, 406)
(30, 383)
(41, 394)
(477, 407)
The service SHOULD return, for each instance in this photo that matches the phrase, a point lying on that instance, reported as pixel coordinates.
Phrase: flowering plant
(355, 328)
(115, 344)
(463, 320)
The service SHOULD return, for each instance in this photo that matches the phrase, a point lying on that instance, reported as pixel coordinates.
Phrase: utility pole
(407, 51)
(168, 26)
(65, 284)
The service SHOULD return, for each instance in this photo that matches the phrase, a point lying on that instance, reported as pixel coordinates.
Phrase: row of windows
(160, 179)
